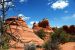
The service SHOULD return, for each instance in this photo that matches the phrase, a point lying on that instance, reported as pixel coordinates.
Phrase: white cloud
(20, 15)
(26, 18)
(23, 17)
(21, 1)
(10, 3)
(60, 4)
(33, 22)
(49, 3)
(72, 17)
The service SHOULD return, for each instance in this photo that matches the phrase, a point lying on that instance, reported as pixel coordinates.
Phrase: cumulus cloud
(33, 22)
(23, 17)
(50, 3)
(60, 4)
(20, 15)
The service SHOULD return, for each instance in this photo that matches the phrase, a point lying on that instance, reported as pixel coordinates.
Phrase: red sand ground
(68, 46)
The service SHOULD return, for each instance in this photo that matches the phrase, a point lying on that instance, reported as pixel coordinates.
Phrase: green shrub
(69, 29)
(4, 42)
(57, 37)
(30, 46)
(40, 33)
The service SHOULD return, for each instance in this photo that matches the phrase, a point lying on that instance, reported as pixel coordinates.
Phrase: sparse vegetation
(59, 36)
(30, 46)
(40, 33)
(70, 29)
(4, 42)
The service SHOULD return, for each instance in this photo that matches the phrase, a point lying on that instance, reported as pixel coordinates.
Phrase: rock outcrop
(22, 32)
(44, 24)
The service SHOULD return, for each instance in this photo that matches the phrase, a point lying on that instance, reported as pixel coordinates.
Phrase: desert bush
(40, 33)
(30, 46)
(69, 29)
(51, 44)
(72, 29)
(4, 38)
(72, 39)
(66, 28)
(4, 42)
(57, 37)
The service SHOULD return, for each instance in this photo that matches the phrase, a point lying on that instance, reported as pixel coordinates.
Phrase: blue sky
(58, 12)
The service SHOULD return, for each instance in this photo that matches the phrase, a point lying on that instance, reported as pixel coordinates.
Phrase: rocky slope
(21, 31)
(44, 24)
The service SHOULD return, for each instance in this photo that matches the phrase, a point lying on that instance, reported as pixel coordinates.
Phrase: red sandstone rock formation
(44, 24)
(21, 31)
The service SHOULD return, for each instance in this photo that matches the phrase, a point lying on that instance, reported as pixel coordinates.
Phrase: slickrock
(21, 31)
(44, 24)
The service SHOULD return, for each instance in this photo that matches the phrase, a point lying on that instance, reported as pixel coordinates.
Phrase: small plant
(40, 33)
(50, 45)
(30, 46)
(69, 29)
(57, 37)
(4, 43)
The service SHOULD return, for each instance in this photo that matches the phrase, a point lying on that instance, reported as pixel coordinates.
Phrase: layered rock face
(21, 31)
(44, 24)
